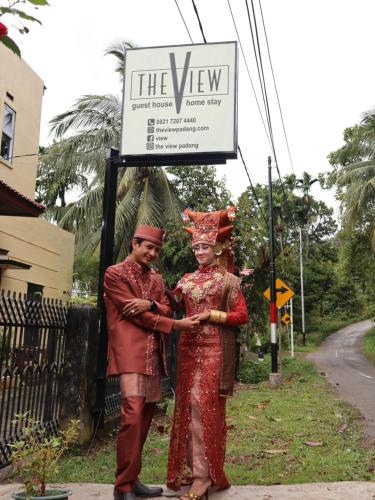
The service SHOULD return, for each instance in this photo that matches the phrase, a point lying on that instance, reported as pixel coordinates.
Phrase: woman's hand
(135, 306)
(204, 316)
(188, 324)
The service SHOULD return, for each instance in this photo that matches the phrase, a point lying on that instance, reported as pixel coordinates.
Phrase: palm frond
(89, 111)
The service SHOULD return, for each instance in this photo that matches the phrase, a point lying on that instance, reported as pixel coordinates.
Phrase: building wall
(46, 247)
(26, 88)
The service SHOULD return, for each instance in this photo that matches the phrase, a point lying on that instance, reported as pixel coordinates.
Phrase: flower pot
(55, 494)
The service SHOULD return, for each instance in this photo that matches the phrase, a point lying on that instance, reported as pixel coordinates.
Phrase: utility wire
(258, 58)
(252, 187)
(183, 19)
(248, 72)
(58, 155)
(274, 82)
(239, 148)
(199, 21)
(263, 82)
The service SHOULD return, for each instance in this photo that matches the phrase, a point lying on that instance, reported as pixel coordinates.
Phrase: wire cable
(57, 155)
(183, 19)
(239, 149)
(252, 187)
(248, 72)
(199, 21)
(274, 82)
(257, 50)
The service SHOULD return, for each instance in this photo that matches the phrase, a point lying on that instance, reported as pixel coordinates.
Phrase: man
(138, 319)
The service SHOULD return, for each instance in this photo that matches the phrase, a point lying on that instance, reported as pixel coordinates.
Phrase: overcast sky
(322, 54)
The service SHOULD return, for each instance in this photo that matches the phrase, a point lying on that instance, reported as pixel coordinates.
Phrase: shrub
(253, 371)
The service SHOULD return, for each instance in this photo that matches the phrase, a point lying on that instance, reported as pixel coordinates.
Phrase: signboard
(283, 293)
(286, 319)
(180, 102)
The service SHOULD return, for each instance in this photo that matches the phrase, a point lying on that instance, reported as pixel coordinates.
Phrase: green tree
(76, 160)
(290, 211)
(354, 175)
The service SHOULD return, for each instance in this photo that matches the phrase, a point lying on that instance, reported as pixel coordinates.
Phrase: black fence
(36, 341)
(32, 334)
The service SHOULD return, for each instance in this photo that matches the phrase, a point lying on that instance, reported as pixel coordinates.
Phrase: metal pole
(106, 259)
(273, 310)
(302, 293)
(291, 329)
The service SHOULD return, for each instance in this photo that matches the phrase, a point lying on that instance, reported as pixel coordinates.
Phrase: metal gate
(32, 334)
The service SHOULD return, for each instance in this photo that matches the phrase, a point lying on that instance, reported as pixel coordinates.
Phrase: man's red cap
(150, 233)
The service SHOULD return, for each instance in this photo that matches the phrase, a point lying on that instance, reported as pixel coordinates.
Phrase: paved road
(349, 371)
(357, 490)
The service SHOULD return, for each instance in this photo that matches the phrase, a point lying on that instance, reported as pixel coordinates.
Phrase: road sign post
(273, 309)
(291, 329)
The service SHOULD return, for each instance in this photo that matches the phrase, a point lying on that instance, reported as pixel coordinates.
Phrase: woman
(205, 358)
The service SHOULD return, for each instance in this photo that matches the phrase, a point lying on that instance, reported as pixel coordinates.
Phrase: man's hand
(188, 324)
(135, 306)
(204, 316)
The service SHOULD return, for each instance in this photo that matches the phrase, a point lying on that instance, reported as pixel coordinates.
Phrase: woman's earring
(218, 249)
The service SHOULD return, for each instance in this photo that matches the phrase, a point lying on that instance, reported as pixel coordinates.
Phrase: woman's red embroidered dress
(198, 437)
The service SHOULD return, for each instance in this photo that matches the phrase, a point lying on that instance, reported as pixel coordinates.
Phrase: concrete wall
(26, 88)
(47, 248)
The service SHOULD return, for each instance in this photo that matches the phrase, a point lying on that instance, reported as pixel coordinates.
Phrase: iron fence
(32, 334)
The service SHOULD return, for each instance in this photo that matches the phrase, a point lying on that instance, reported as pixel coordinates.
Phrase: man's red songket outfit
(137, 352)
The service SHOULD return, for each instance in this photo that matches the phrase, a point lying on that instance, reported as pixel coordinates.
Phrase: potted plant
(36, 455)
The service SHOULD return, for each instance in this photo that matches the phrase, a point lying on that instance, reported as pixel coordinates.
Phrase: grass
(268, 432)
(369, 344)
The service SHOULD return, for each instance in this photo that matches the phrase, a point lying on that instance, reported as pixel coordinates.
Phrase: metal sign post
(302, 290)
(273, 309)
(291, 329)
(106, 259)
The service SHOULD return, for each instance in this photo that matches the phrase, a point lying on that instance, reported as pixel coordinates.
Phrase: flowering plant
(3, 30)
(21, 17)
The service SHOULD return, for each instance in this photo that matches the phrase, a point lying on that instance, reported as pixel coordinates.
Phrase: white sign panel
(180, 100)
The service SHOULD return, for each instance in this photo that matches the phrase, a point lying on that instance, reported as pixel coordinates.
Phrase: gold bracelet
(214, 316)
(223, 317)
(218, 316)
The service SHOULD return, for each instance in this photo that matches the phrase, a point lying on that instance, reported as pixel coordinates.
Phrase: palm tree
(358, 179)
(76, 160)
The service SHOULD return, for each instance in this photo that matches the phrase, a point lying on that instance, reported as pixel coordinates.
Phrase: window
(7, 135)
(34, 292)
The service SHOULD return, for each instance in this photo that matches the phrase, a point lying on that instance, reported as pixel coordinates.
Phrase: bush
(254, 371)
(369, 344)
(297, 368)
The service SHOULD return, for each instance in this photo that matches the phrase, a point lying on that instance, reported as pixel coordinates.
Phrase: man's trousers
(136, 417)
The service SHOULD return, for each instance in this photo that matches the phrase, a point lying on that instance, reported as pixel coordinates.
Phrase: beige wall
(47, 248)
(20, 81)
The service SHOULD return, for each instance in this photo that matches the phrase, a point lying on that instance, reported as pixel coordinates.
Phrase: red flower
(3, 30)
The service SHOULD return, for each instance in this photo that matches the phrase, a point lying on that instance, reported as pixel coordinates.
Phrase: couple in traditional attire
(139, 318)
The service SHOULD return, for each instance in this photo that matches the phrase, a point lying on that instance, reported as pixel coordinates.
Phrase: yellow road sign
(286, 319)
(283, 293)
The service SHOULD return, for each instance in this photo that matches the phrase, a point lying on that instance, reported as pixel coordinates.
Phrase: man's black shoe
(129, 495)
(141, 490)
